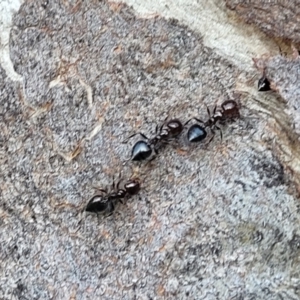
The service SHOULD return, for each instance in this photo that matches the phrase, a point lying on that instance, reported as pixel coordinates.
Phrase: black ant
(229, 110)
(143, 149)
(263, 84)
(106, 203)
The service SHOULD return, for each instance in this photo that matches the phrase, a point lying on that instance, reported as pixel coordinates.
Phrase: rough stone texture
(283, 73)
(216, 221)
(275, 18)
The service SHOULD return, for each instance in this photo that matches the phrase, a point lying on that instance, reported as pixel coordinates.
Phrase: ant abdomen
(141, 151)
(196, 133)
(98, 204)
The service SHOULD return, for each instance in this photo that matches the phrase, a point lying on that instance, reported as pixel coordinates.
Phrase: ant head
(174, 127)
(132, 186)
(230, 109)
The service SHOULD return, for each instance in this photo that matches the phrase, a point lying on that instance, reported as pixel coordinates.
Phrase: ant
(263, 84)
(143, 149)
(106, 203)
(229, 110)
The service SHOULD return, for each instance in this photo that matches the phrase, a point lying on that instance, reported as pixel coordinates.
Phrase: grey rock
(213, 221)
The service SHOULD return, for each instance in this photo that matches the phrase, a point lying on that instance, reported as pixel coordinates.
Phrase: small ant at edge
(263, 84)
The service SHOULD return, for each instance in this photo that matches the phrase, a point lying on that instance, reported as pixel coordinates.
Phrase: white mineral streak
(7, 9)
(221, 32)
(206, 17)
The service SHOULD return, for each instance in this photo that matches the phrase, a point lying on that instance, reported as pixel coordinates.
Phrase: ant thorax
(152, 142)
(218, 115)
(212, 121)
(164, 134)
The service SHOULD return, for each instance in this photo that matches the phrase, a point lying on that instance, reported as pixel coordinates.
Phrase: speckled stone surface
(213, 221)
(283, 74)
(275, 18)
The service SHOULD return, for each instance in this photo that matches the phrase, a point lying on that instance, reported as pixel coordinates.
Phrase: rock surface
(215, 221)
(278, 19)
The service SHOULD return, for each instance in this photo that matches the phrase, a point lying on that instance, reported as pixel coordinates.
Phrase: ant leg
(98, 219)
(109, 215)
(161, 127)
(198, 120)
(174, 144)
(84, 228)
(208, 111)
(171, 142)
(213, 135)
(126, 161)
(82, 215)
(221, 134)
(118, 184)
(215, 109)
(210, 139)
(156, 129)
(104, 191)
(152, 158)
(111, 208)
(141, 134)
(113, 185)
(139, 163)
